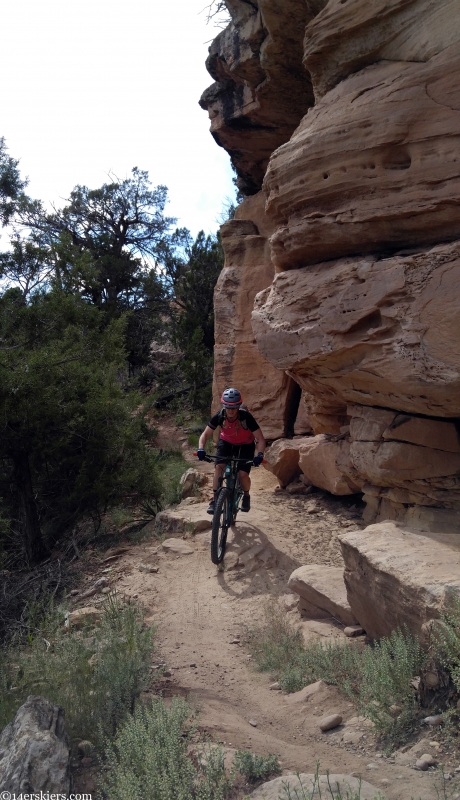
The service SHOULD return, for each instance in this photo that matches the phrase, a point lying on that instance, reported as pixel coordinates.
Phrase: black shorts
(225, 450)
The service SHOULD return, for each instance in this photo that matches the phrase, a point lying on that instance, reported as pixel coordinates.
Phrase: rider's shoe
(211, 508)
(246, 503)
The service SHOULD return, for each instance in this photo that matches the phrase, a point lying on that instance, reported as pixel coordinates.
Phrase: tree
(11, 184)
(70, 441)
(192, 268)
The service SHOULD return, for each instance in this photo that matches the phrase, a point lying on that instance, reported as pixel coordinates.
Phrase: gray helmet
(231, 398)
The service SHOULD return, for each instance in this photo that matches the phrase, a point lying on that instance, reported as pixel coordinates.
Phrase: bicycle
(227, 506)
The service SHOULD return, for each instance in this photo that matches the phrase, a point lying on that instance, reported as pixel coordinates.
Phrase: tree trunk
(29, 522)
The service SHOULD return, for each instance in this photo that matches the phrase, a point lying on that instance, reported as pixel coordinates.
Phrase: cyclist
(238, 433)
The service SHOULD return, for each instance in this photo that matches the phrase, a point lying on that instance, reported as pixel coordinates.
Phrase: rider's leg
(245, 481)
(216, 484)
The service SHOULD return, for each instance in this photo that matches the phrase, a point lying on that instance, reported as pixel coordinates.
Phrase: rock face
(354, 261)
(395, 576)
(34, 750)
(269, 393)
(261, 89)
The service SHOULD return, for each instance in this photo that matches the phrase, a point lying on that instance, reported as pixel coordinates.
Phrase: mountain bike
(227, 506)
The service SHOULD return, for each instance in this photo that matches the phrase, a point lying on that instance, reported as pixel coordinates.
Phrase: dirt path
(201, 613)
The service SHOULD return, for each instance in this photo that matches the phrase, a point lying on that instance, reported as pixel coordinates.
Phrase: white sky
(92, 86)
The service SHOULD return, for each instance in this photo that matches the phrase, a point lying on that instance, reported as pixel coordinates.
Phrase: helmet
(231, 398)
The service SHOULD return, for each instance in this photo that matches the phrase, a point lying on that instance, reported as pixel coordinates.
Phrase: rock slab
(395, 576)
(303, 785)
(324, 588)
(34, 750)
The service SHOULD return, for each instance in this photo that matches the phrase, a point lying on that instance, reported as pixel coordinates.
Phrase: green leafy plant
(447, 640)
(149, 758)
(254, 767)
(96, 674)
(378, 678)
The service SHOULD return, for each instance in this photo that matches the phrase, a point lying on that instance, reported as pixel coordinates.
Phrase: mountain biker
(239, 430)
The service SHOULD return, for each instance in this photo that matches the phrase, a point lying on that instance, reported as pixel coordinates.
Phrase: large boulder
(398, 577)
(34, 750)
(321, 460)
(308, 786)
(323, 588)
(282, 459)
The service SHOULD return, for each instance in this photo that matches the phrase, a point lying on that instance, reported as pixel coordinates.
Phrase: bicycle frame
(227, 505)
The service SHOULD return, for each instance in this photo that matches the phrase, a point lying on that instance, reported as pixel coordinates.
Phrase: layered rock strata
(362, 232)
(261, 89)
(270, 394)
(396, 577)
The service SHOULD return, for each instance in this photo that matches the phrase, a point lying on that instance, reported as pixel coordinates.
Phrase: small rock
(372, 766)
(74, 592)
(435, 720)
(84, 616)
(353, 630)
(425, 761)
(274, 686)
(85, 748)
(235, 641)
(142, 567)
(329, 722)
(177, 546)
(106, 590)
(457, 769)
(253, 723)
(193, 664)
(167, 673)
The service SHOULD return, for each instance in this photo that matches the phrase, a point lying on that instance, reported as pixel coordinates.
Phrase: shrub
(148, 759)
(377, 678)
(447, 641)
(94, 674)
(255, 767)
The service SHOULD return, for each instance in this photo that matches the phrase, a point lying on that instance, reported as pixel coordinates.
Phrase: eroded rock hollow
(339, 303)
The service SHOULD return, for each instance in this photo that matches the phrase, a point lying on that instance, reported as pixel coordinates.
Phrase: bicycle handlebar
(227, 458)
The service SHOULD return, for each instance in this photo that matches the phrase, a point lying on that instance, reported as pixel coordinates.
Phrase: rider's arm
(205, 436)
(261, 443)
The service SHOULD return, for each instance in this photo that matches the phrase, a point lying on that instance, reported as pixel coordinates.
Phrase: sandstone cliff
(343, 119)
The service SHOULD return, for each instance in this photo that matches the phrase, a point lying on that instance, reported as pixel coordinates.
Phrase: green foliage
(384, 681)
(377, 678)
(95, 674)
(171, 466)
(447, 640)
(148, 758)
(11, 185)
(254, 767)
(72, 441)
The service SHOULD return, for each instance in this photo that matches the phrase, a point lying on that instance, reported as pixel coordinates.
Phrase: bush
(149, 758)
(254, 767)
(96, 674)
(377, 678)
(447, 641)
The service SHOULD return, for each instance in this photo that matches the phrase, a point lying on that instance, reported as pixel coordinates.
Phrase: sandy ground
(201, 614)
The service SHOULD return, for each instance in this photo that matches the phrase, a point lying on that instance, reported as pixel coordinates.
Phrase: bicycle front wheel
(238, 496)
(220, 522)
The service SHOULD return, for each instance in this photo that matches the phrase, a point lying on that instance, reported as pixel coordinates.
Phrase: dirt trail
(202, 611)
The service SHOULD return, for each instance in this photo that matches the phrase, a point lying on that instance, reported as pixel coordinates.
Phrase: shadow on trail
(252, 565)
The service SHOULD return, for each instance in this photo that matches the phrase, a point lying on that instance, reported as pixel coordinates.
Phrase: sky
(92, 87)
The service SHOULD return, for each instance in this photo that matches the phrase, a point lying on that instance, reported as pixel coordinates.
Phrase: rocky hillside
(342, 119)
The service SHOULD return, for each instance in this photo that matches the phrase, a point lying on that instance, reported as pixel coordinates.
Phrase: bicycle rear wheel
(220, 522)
